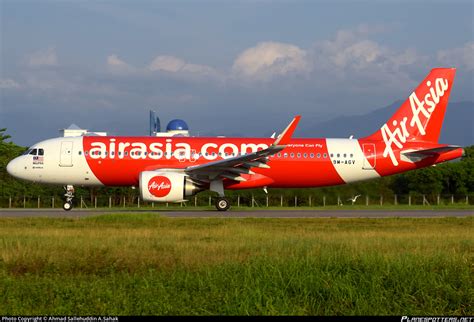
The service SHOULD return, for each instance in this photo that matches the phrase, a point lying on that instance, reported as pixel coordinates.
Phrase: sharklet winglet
(285, 136)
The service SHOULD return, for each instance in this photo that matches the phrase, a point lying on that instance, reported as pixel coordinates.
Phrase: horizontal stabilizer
(418, 155)
(434, 151)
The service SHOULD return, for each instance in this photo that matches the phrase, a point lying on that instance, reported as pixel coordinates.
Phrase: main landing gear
(222, 204)
(69, 197)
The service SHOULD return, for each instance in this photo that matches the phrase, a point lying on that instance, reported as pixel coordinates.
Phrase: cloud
(353, 50)
(43, 57)
(172, 64)
(49, 81)
(461, 57)
(161, 64)
(350, 72)
(7, 83)
(115, 64)
(269, 59)
(359, 64)
(358, 55)
(349, 55)
(167, 64)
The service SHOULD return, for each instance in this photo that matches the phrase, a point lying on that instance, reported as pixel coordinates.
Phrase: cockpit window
(40, 152)
(27, 152)
(34, 152)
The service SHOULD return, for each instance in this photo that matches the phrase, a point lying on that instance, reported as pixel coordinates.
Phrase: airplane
(172, 169)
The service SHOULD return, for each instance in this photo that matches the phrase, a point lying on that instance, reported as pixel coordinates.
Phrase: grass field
(141, 264)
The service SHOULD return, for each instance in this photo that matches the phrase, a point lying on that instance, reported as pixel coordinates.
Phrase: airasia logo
(401, 130)
(159, 186)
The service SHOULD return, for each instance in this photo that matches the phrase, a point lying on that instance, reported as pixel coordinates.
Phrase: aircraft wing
(232, 168)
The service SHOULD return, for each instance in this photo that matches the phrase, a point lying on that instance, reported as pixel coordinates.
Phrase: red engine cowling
(166, 186)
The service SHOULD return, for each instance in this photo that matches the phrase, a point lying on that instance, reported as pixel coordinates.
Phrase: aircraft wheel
(222, 204)
(67, 206)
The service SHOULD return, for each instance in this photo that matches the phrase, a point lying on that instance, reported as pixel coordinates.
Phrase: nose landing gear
(69, 197)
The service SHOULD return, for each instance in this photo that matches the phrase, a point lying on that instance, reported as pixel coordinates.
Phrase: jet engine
(166, 186)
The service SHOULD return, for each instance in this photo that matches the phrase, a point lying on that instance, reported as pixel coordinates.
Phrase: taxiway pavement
(235, 213)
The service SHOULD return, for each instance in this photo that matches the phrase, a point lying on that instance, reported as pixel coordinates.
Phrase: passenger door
(370, 156)
(65, 158)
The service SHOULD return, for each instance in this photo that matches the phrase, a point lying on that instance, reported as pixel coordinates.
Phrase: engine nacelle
(166, 186)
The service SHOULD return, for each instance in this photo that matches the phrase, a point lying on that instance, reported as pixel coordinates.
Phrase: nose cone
(13, 168)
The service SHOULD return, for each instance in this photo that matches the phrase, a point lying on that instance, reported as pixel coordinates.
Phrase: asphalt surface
(59, 213)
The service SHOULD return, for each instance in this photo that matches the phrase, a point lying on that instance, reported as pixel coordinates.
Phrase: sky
(235, 68)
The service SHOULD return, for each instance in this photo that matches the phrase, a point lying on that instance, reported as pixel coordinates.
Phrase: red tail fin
(420, 117)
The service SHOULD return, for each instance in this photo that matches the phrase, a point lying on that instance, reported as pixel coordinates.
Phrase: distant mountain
(458, 125)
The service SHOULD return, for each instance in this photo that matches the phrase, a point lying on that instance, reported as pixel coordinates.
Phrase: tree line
(450, 178)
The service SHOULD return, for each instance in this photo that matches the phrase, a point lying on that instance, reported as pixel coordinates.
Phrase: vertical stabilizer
(421, 116)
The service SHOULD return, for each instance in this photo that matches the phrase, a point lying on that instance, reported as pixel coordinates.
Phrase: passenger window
(126, 153)
(40, 152)
(325, 155)
(86, 153)
(279, 155)
(285, 155)
(292, 155)
(80, 152)
(299, 155)
(352, 155)
(338, 155)
(312, 155)
(319, 155)
(305, 155)
(345, 155)
(332, 155)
